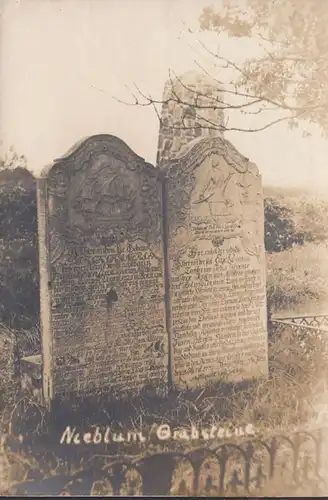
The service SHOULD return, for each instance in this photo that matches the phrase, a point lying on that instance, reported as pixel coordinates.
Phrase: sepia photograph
(164, 248)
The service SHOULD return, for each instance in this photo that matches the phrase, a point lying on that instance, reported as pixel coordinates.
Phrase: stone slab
(216, 256)
(102, 271)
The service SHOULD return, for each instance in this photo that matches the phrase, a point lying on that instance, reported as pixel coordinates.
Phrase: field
(297, 279)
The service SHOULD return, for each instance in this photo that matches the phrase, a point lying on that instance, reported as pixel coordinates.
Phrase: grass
(297, 279)
(282, 402)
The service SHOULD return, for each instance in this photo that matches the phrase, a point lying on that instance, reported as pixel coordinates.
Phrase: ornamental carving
(102, 193)
(213, 192)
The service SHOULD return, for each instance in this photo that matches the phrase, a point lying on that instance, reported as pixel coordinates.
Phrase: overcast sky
(62, 61)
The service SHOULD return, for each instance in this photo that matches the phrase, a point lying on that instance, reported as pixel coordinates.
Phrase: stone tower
(192, 108)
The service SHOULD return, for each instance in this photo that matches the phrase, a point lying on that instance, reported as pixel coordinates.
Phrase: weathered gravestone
(102, 272)
(193, 107)
(215, 248)
(216, 265)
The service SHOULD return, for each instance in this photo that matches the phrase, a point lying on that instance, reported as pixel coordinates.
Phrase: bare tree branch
(215, 126)
(286, 79)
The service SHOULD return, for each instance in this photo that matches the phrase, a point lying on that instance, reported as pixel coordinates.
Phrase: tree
(288, 81)
(292, 73)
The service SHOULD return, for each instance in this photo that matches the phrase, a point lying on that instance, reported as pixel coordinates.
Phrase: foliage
(293, 219)
(19, 280)
(311, 218)
(279, 227)
(291, 72)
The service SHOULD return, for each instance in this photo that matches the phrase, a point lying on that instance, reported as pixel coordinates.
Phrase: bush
(279, 228)
(19, 277)
(311, 217)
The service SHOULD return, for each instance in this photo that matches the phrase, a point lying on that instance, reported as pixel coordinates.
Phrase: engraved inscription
(217, 271)
(106, 270)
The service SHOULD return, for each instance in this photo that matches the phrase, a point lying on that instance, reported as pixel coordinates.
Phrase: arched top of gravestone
(101, 191)
(205, 165)
(89, 147)
(194, 153)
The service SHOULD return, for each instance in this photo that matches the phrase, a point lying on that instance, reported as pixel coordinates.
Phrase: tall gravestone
(216, 258)
(102, 272)
(193, 107)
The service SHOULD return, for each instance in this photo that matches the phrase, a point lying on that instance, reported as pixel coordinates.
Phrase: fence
(295, 463)
(304, 327)
(306, 323)
(316, 321)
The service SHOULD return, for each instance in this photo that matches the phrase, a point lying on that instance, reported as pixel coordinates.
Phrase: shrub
(19, 277)
(279, 228)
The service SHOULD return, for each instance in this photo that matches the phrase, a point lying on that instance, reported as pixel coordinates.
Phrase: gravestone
(152, 277)
(102, 272)
(216, 266)
(193, 107)
(215, 243)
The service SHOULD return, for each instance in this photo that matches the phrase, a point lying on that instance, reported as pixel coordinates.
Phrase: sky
(65, 64)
